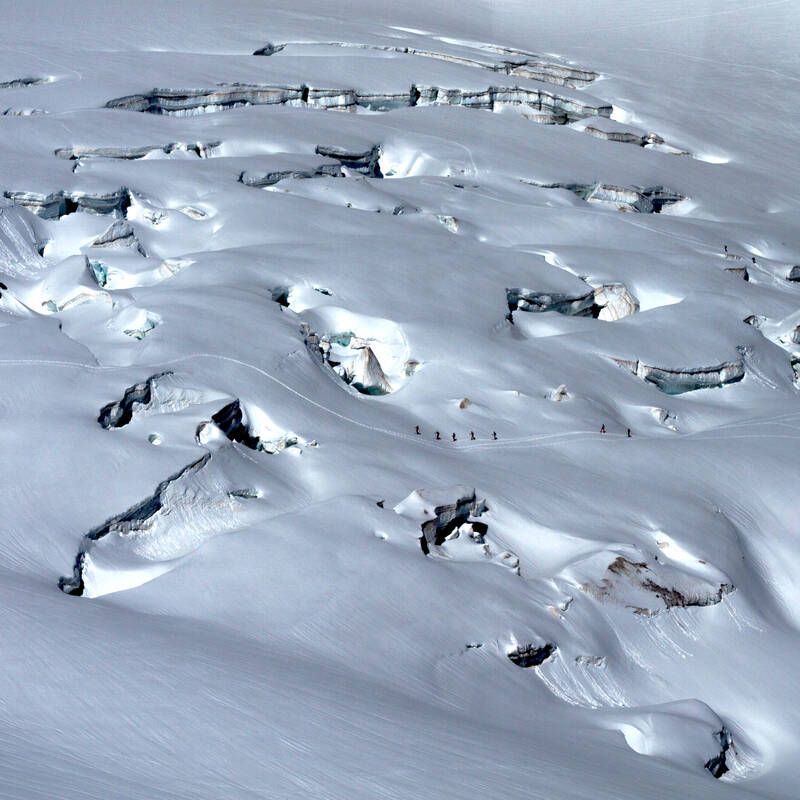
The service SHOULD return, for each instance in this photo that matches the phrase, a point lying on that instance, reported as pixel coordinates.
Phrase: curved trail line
(543, 439)
(532, 441)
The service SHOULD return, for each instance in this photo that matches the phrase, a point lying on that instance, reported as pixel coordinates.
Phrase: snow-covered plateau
(400, 400)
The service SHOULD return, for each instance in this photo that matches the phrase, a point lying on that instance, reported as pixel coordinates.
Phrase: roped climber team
(472, 437)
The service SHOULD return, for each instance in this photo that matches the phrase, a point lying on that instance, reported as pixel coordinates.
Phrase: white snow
(233, 285)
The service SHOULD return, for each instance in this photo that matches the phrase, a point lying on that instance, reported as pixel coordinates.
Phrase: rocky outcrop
(651, 587)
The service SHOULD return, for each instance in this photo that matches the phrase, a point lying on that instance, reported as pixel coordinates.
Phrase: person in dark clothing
(472, 435)
(417, 430)
(438, 435)
(753, 259)
(629, 433)
(603, 428)
(494, 435)
(454, 438)
(726, 249)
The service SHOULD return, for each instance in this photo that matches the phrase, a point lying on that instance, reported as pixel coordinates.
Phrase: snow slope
(247, 249)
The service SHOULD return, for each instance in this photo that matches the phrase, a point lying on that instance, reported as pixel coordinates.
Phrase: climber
(629, 433)
(438, 435)
(494, 435)
(726, 249)
(472, 435)
(454, 438)
(753, 259)
(416, 428)
(603, 428)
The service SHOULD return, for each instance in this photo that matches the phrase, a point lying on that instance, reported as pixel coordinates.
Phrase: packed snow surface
(400, 400)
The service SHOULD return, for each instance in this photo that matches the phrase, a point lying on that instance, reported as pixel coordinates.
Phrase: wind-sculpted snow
(648, 588)
(19, 248)
(162, 393)
(452, 529)
(283, 388)
(148, 539)
(249, 426)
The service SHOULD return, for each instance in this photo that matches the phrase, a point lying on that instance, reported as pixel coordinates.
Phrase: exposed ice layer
(367, 162)
(260, 180)
(450, 528)
(230, 420)
(648, 588)
(687, 733)
(649, 200)
(24, 112)
(136, 398)
(449, 516)
(135, 322)
(58, 204)
(717, 765)
(678, 381)
(162, 393)
(739, 272)
(527, 656)
(23, 83)
(250, 428)
(120, 234)
(625, 137)
(613, 301)
(521, 65)
(352, 358)
(19, 246)
(529, 300)
(200, 149)
(128, 270)
(539, 104)
(138, 545)
(186, 102)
